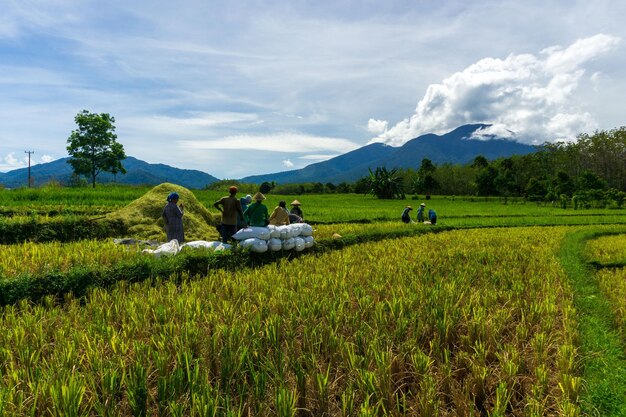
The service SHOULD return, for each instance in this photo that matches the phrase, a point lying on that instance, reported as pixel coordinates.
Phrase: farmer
(405, 214)
(420, 213)
(432, 216)
(256, 214)
(295, 209)
(173, 218)
(280, 215)
(231, 213)
(244, 201)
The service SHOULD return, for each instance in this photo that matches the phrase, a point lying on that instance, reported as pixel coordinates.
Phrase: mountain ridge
(456, 146)
(138, 173)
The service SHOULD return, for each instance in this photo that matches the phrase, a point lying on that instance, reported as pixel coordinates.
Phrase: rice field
(37, 258)
(419, 326)
(392, 320)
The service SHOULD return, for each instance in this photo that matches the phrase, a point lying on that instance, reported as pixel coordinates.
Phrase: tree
(93, 147)
(265, 187)
(385, 184)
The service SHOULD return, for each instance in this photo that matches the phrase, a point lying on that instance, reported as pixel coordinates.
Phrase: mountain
(455, 147)
(337, 167)
(137, 173)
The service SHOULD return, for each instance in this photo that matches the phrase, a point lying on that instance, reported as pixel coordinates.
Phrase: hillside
(454, 147)
(138, 173)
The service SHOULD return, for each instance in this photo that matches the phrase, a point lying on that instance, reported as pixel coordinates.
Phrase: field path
(602, 349)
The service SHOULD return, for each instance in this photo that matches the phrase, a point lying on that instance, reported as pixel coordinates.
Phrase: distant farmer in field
(231, 213)
(241, 222)
(432, 216)
(173, 218)
(256, 214)
(420, 213)
(280, 215)
(295, 209)
(405, 214)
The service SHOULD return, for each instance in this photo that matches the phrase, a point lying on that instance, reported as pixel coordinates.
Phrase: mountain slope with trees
(138, 172)
(456, 146)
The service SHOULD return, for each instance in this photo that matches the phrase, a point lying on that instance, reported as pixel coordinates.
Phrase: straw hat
(409, 207)
(423, 205)
(232, 189)
(258, 197)
(296, 203)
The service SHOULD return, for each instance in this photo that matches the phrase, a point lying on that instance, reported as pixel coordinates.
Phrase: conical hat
(258, 197)
(296, 203)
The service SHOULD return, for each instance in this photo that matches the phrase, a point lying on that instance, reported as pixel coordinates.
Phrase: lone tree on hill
(93, 147)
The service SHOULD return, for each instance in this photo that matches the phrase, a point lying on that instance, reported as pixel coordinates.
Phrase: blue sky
(248, 87)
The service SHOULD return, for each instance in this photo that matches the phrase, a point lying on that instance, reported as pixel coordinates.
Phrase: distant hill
(338, 167)
(454, 147)
(138, 173)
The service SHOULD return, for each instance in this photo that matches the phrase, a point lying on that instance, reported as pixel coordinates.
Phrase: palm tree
(385, 184)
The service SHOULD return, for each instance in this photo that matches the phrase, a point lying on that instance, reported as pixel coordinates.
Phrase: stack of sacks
(259, 239)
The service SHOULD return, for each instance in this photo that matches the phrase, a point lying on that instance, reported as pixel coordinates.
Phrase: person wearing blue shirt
(432, 216)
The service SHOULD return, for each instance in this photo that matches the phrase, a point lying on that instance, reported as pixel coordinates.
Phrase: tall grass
(458, 323)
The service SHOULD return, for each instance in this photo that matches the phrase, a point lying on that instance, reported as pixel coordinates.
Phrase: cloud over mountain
(530, 95)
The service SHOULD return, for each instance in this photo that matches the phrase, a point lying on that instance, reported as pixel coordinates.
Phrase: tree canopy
(93, 146)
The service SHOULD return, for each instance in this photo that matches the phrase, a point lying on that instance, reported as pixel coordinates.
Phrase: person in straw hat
(420, 213)
(295, 209)
(405, 214)
(231, 213)
(256, 214)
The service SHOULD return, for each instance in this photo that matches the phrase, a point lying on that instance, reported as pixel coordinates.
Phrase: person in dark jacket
(295, 209)
(405, 214)
(173, 218)
(231, 213)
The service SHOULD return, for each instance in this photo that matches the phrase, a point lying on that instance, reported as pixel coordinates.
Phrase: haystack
(144, 221)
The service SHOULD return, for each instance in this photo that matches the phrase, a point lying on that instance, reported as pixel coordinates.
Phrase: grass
(358, 331)
(602, 350)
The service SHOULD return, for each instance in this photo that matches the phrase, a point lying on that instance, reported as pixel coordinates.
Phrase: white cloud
(318, 157)
(287, 163)
(46, 158)
(208, 119)
(10, 162)
(530, 95)
(377, 126)
(280, 142)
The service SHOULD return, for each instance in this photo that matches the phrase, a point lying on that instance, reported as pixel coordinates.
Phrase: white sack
(252, 232)
(289, 244)
(299, 244)
(201, 244)
(275, 244)
(166, 249)
(274, 231)
(283, 230)
(222, 247)
(254, 244)
(306, 229)
(308, 241)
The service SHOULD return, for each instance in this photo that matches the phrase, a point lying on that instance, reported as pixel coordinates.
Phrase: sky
(245, 87)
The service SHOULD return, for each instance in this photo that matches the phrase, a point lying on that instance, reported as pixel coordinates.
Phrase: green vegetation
(379, 318)
(143, 217)
(447, 334)
(93, 147)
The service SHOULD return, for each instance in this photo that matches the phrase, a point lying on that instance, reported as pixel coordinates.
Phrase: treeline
(588, 171)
